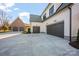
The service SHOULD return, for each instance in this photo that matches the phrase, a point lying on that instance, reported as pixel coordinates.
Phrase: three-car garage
(56, 29)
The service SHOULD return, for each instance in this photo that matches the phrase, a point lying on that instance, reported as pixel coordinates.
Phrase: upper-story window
(44, 17)
(51, 10)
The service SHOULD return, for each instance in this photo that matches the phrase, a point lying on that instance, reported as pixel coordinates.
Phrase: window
(44, 17)
(51, 10)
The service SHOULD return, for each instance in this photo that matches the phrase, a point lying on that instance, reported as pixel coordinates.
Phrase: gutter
(70, 24)
(57, 11)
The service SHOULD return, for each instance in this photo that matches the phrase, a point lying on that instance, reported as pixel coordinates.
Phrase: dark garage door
(15, 28)
(36, 29)
(21, 29)
(56, 29)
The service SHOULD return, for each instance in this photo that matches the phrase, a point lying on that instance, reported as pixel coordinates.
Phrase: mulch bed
(75, 44)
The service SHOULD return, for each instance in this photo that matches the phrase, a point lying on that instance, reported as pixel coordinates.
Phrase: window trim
(51, 11)
(44, 16)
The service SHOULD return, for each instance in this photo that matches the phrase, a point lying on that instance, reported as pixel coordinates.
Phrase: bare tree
(4, 20)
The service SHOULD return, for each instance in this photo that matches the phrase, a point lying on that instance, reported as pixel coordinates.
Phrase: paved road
(8, 34)
(36, 45)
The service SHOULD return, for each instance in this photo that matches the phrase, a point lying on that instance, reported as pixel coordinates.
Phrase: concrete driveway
(36, 45)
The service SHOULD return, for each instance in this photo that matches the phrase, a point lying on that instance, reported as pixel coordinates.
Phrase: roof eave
(57, 11)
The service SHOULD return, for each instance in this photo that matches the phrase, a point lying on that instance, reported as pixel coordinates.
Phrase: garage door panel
(21, 29)
(15, 28)
(36, 29)
(56, 29)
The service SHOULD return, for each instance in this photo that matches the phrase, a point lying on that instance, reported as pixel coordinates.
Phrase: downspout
(70, 37)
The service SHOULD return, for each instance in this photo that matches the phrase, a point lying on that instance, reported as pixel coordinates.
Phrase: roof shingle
(35, 18)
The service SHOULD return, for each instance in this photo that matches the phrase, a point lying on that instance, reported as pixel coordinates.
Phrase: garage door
(21, 29)
(36, 29)
(56, 29)
(15, 28)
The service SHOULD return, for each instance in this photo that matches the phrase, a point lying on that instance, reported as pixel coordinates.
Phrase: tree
(5, 20)
(5, 24)
(4, 27)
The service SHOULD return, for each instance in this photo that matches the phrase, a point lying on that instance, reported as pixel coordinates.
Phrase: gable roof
(16, 21)
(35, 18)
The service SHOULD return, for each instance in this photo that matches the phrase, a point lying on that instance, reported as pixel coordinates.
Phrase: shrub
(29, 31)
(24, 32)
(4, 27)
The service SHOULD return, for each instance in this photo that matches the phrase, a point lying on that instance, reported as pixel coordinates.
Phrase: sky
(22, 10)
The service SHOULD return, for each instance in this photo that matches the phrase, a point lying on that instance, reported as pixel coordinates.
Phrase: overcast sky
(23, 10)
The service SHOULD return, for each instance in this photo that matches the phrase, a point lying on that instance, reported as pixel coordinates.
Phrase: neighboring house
(59, 19)
(19, 25)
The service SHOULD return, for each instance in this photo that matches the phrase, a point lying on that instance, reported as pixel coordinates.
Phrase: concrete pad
(36, 45)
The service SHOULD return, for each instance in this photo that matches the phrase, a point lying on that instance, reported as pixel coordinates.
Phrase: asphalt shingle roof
(35, 18)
